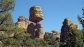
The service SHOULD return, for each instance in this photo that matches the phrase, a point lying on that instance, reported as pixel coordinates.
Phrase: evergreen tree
(6, 6)
(7, 20)
(81, 19)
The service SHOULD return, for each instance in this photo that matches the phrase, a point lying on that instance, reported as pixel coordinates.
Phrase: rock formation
(65, 30)
(22, 22)
(35, 28)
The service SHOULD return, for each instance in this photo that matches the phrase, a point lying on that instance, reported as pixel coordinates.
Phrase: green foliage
(1, 45)
(76, 39)
(56, 44)
(36, 43)
(5, 8)
(81, 19)
(17, 39)
(6, 19)
(51, 40)
(6, 5)
(20, 39)
(2, 28)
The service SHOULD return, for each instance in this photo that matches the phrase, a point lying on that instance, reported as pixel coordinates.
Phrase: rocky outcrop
(65, 30)
(35, 29)
(22, 22)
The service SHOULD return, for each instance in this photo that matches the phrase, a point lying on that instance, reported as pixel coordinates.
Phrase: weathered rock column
(65, 30)
(35, 28)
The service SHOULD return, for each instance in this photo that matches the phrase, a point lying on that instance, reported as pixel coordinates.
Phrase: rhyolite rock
(22, 22)
(65, 30)
(36, 30)
(35, 14)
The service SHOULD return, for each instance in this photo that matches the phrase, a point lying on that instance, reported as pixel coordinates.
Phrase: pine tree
(6, 7)
(81, 19)
(8, 21)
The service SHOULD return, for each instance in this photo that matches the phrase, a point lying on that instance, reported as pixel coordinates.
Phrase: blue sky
(54, 11)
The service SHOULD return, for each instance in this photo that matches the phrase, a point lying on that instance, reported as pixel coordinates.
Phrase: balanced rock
(65, 30)
(36, 14)
(36, 30)
(22, 22)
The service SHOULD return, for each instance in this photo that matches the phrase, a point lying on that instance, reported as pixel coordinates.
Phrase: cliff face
(65, 30)
(22, 22)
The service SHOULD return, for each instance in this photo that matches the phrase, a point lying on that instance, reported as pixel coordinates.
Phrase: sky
(54, 11)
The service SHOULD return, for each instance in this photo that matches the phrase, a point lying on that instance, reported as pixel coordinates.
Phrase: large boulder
(35, 14)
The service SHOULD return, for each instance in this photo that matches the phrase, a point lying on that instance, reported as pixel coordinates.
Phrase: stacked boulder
(35, 28)
(22, 22)
(65, 30)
